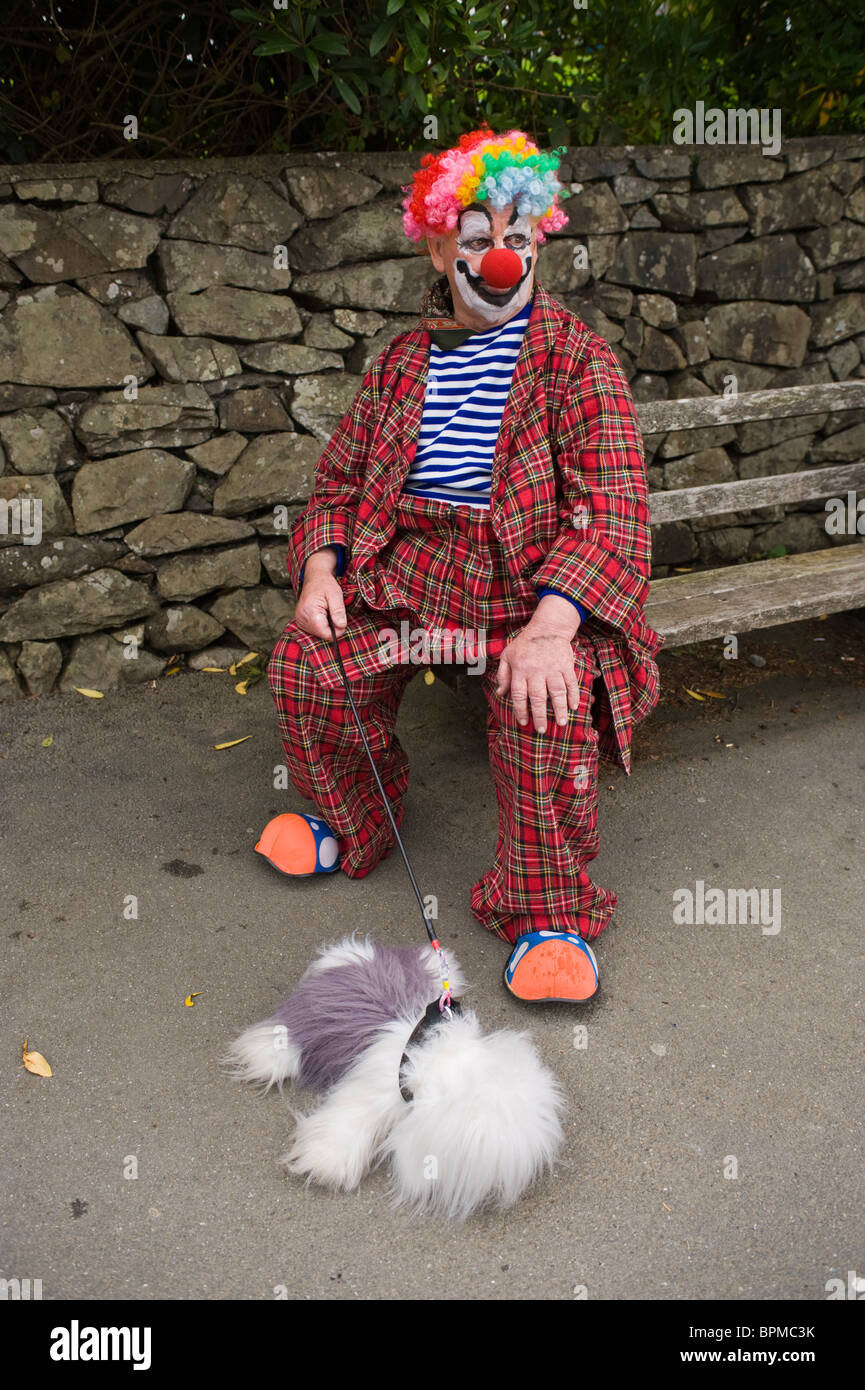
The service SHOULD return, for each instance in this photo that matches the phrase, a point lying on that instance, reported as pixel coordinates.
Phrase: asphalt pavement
(714, 1136)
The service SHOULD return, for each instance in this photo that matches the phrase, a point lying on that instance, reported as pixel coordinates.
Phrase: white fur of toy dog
(483, 1124)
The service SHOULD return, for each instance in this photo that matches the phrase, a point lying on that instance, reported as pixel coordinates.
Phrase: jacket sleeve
(601, 557)
(328, 517)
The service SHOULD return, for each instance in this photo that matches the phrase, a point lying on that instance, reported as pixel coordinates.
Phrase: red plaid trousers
(443, 569)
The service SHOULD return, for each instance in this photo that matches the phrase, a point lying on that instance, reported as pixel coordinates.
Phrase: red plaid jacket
(569, 497)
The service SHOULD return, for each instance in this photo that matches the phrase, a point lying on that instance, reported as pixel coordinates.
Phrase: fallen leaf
(91, 694)
(683, 569)
(173, 671)
(47, 742)
(236, 665)
(233, 744)
(242, 687)
(35, 1062)
(715, 694)
(666, 1208)
(429, 677)
(190, 999)
(215, 669)
(693, 693)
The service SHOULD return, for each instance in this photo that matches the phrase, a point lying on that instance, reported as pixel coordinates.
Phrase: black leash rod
(384, 796)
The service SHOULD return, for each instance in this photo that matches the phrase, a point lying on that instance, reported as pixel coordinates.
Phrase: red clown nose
(501, 268)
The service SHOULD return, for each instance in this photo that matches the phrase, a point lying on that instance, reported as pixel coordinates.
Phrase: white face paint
(471, 243)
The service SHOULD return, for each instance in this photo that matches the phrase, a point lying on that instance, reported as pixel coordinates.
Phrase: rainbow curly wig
(505, 169)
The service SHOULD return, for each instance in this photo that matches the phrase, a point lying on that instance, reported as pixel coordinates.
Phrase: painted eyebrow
(479, 207)
(487, 232)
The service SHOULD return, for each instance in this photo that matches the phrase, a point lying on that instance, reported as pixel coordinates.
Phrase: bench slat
(713, 499)
(657, 417)
(738, 598)
(739, 578)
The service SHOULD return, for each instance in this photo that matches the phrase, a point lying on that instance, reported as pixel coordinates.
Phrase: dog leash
(446, 1004)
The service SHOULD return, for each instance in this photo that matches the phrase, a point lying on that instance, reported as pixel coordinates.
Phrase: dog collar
(431, 1018)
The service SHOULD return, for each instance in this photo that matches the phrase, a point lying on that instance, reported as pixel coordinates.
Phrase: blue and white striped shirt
(467, 387)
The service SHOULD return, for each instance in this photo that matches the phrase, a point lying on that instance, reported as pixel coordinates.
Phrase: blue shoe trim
(325, 845)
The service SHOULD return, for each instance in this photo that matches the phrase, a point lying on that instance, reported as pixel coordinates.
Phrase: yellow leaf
(242, 687)
(429, 677)
(215, 669)
(233, 744)
(47, 742)
(173, 671)
(91, 694)
(35, 1062)
(244, 660)
(715, 694)
(190, 999)
(694, 694)
(683, 569)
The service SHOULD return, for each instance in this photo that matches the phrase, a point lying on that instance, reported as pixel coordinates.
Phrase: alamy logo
(845, 516)
(733, 126)
(854, 1289)
(77, 1343)
(20, 1290)
(713, 907)
(419, 646)
(21, 516)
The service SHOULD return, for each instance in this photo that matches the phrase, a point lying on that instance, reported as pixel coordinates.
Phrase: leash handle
(386, 800)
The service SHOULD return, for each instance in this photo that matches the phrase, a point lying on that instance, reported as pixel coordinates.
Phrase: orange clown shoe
(553, 967)
(299, 845)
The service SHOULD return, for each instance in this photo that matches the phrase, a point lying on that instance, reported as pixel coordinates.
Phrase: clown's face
(482, 229)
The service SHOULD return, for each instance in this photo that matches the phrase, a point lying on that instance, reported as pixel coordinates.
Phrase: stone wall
(179, 340)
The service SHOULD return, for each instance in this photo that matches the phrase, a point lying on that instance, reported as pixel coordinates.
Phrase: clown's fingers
(573, 688)
(336, 607)
(559, 700)
(519, 697)
(538, 701)
(503, 676)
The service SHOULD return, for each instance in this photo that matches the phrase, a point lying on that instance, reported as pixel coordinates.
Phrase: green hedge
(226, 80)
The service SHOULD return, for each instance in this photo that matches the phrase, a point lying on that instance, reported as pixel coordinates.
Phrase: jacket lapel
(539, 337)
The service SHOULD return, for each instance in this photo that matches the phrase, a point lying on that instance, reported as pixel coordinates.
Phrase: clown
(482, 210)
(489, 477)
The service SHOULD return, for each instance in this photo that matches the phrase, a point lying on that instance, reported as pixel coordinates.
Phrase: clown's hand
(321, 594)
(538, 665)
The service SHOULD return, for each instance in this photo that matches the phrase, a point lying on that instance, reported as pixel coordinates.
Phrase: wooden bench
(710, 603)
(705, 604)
